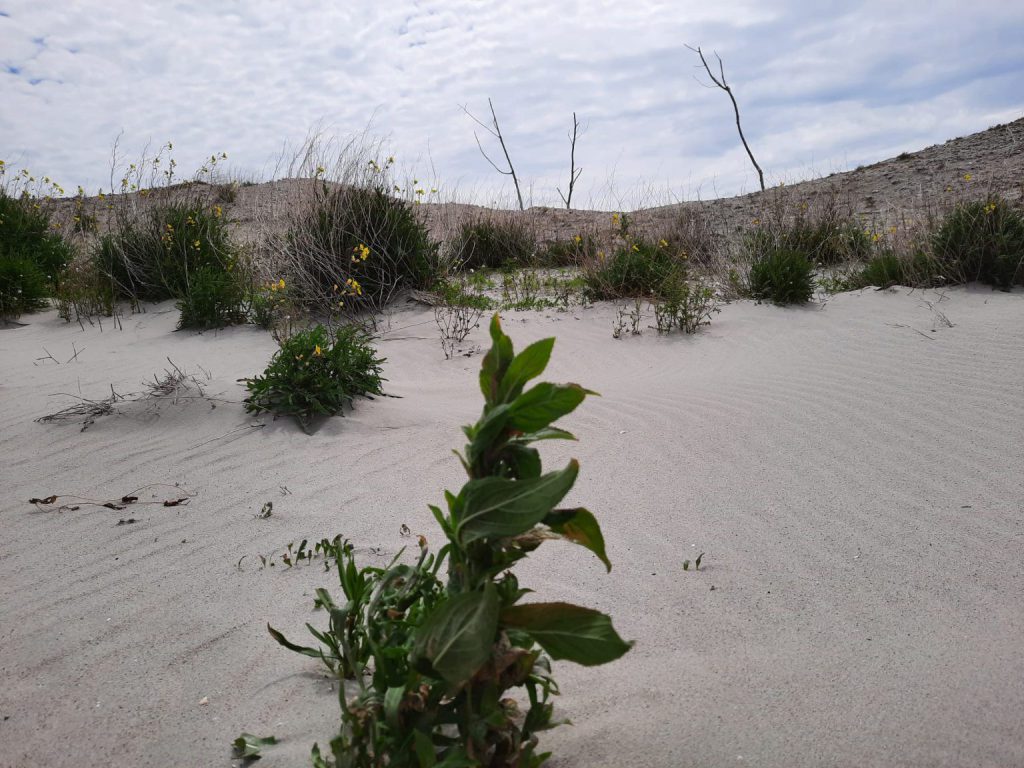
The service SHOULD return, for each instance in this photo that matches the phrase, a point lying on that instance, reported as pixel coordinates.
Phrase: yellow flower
(316, 351)
(615, 218)
(636, 247)
(577, 239)
(663, 243)
(280, 283)
(967, 177)
(361, 251)
(217, 211)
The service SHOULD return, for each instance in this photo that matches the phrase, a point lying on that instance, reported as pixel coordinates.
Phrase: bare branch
(574, 172)
(720, 82)
(496, 133)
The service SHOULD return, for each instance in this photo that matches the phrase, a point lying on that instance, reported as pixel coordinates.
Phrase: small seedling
(696, 564)
(247, 746)
(266, 511)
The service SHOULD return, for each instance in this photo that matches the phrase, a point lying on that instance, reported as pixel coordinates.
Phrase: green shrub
(782, 277)
(155, 256)
(984, 241)
(492, 244)
(32, 256)
(431, 663)
(635, 268)
(23, 288)
(883, 271)
(317, 373)
(574, 252)
(828, 241)
(213, 299)
(83, 293)
(361, 234)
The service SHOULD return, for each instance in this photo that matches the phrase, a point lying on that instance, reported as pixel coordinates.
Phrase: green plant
(269, 304)
(156, 255)
(429, 665)
(982, 240)
(357, 236)
(317, 372)
(32, 255)
(84, 294)
(577, 250)
(883, 271)
(492, 244)
(636, 268)
(213, 299)
(782, 277)
(686, 305)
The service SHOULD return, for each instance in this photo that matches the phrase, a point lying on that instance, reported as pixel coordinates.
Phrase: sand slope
(854, 477)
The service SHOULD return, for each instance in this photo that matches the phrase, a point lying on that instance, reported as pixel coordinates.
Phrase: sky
(822, 87)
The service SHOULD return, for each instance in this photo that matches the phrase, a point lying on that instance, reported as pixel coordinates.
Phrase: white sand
(858, 489)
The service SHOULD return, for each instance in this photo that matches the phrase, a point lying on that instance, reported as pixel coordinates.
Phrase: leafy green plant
(84, 294)
(982, 240)
(429, 665)
(824, 237)
(32, 255)
(574, 252)
(317, 372)
(782, 277)
(492, 243)
(214, 299)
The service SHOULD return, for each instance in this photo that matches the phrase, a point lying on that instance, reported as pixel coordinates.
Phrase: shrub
(269, 303)
(32, 255)
(823, 233)
(316, 373)
(361, 234)
(83, 293)
(213, 299)
(782, 277)
(984, 241)
(883, 271)
(430, 663)
(155, 257)
(635, 268)
(492, 244)
(574, 252)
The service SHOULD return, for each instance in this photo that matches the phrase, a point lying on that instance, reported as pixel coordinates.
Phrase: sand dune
(852, 471)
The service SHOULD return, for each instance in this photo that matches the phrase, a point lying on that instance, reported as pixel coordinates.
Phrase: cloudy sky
(822, 86)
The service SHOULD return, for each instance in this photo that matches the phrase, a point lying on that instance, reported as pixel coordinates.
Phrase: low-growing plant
(428, 665)
(687, 305)
(782, 277)
(574, 252)
(984, 241)
(883, 271)
(317, 372)
(84, 295)
(214, 299)
(269, 303)
(492, 244)
(635, 268)
(455, 323)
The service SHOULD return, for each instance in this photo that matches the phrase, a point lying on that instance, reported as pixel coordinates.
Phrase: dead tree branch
(495, 130)
(721, 83)
(574, 172)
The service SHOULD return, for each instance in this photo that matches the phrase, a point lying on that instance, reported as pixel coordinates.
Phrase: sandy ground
(853, 473)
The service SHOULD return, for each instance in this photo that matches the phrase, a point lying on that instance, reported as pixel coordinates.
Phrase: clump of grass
(317, 372)
(578, 250)
(982, 240)
(782, 277)
(492, 244)
(359, 234)
(685, 304)
(883, 271)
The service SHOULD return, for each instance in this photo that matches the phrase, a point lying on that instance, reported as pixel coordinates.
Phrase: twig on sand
(181, 497)
(922, 333)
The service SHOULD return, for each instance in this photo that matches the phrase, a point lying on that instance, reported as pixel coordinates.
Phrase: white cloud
(821, 87)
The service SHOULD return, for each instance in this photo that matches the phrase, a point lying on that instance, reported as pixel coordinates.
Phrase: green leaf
(524, 461)
(528, 364)
(392, 702)
(539, 406)
(550, 433)
(457, 636)
(579, 526)
(495, 362)
(304, 650)
(424, 747)
(568, 631)
(249, 746)
(495, 507)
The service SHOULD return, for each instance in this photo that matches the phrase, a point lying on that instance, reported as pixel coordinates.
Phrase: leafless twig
(721, 83)
(495, 130)
(574, 172)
